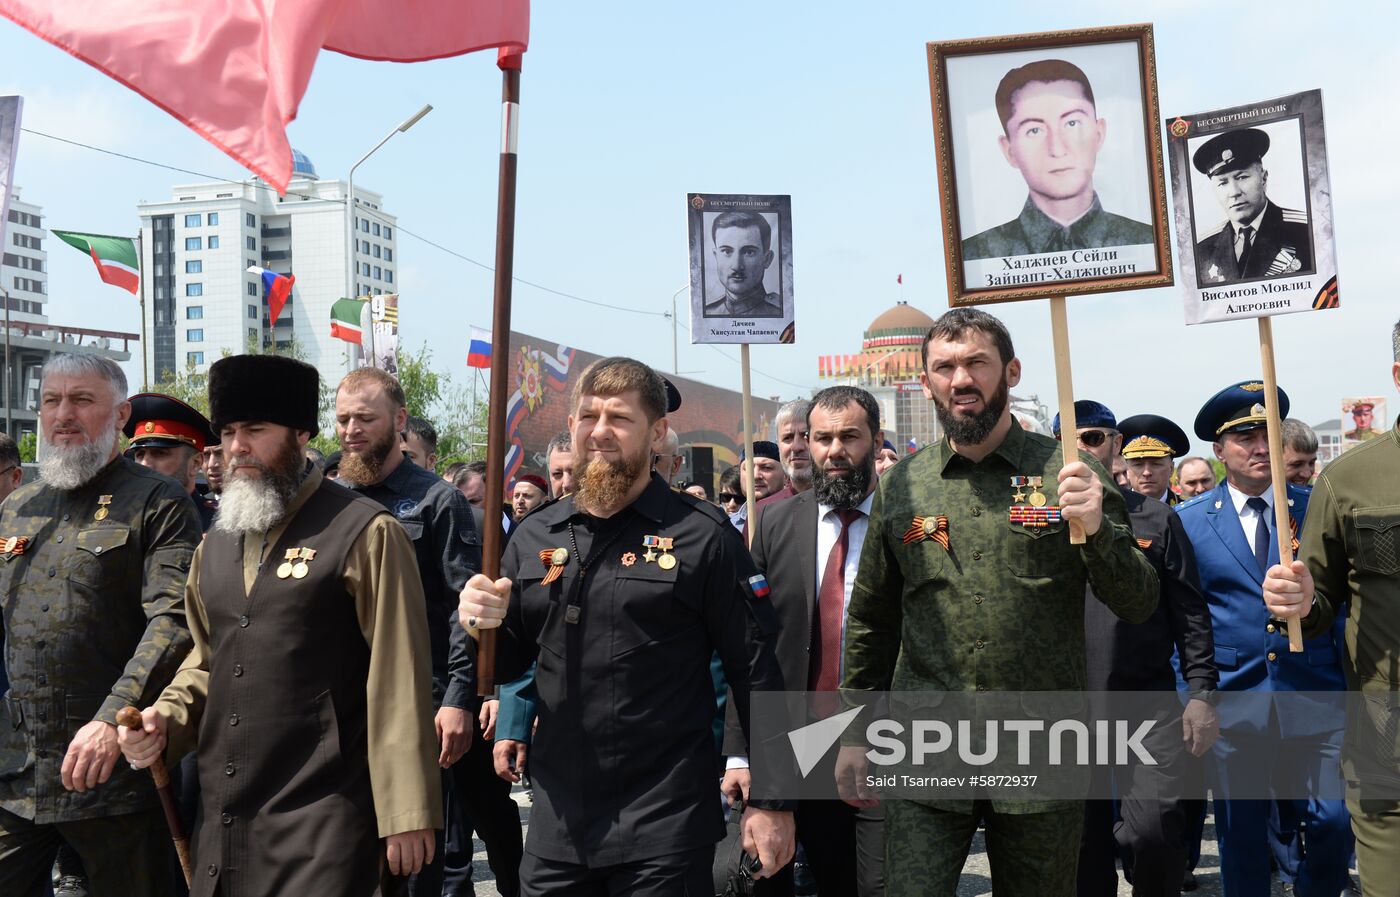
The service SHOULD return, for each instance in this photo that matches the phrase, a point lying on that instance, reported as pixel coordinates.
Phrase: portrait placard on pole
(740, 268)
(1253, 205)
(1049, 164)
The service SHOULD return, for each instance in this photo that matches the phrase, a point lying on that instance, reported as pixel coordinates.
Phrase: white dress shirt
(1249, 518)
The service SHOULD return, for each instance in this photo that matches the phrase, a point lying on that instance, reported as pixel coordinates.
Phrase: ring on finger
(471, 622)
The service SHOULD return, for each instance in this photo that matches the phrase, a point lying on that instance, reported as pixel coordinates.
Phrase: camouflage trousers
(122, 855)
(1031, 854)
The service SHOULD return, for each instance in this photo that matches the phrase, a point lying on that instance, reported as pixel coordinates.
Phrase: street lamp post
(675, 355)
(350, 209)
(9, 422)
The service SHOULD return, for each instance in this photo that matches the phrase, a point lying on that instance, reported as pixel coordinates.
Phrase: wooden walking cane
(130, 718)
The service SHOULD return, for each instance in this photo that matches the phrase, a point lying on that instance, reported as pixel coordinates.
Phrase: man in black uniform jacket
(623, 591)
(1148, 832)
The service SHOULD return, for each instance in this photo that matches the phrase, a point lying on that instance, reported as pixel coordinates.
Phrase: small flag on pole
(899, 279)
(276, 287)
(479, 353)
(345, 320)
(115, 257)
(912, 447)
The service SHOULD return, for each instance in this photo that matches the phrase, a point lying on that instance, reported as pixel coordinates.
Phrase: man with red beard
(370, 415)
(309, 684)
(624, 590)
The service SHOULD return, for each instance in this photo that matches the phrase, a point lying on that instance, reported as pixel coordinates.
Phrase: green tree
(28, 448)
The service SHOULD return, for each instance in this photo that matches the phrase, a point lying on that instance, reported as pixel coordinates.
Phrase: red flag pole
(500, 357)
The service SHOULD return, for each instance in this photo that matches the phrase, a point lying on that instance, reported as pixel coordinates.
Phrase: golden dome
(902, 324)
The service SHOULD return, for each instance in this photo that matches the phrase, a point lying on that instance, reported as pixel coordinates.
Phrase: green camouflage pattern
(1031, 855)
(94, 614)
(1002, 608)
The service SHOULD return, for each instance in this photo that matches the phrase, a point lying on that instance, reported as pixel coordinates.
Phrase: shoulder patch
(1206, 235)
(758, 586)
(1192, 502)
(1294, 215)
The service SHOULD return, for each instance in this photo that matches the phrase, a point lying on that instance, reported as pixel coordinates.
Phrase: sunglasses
(1093, 438)
(726, 497)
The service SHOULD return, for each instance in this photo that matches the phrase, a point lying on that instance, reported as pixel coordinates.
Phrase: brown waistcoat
(283, 764)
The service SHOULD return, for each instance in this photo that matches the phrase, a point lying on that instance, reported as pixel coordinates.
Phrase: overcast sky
(626, 107)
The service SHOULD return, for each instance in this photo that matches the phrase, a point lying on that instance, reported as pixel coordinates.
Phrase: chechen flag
(235, 72)
(345, 320)
(276, 287)
(115, 257)
(479, 352)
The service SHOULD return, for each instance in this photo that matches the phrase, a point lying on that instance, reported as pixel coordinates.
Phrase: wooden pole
(749, 502)
(1064, 380)
(500, 359)
(1275, 425)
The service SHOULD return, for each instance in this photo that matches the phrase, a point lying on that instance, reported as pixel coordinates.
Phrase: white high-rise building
(25, 273)
(201, 302)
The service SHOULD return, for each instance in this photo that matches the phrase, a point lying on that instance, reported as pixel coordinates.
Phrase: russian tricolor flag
(912, 447)
(479, 352)
(758, 584)
(276, 287)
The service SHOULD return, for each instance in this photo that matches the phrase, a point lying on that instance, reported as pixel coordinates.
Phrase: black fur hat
(269, 388)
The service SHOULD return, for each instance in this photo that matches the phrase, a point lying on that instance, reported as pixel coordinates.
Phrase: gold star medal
(1018, 485)
(285, 569)
(556, 559)
(102, 502)
(666, 561)
(650, 543)
(299, 569)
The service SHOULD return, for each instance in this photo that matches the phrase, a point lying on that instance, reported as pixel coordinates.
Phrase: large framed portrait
(740, 268)
(1253, 207)
(1049, 164)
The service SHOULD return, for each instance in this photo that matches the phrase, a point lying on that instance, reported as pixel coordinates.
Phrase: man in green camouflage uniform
(93, 561)
(1000, 608)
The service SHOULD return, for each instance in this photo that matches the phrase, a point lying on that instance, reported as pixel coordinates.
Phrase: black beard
(972, 430)
(844, 492)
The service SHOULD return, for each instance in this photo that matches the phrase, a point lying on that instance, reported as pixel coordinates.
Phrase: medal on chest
(665, 560)
(555, 559)
(928, 529)
(14, 546)
(294, 563)
(102, 502)
(1030, 507)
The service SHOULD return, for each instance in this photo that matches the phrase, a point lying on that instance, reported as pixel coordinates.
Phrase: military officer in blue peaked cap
(1263, 743)
(1258, 238)
(1150, 442)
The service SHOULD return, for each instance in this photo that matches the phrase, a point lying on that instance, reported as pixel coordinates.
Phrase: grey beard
(255, 505)
(803, 477)
(67, 467)
(847, 492)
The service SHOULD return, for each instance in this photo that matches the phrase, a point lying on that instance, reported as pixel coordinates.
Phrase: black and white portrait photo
(740, 268)
(1048, 146)
(1253, 205)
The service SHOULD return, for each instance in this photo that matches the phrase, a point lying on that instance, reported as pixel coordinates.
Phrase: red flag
(899, 280)
(236, 72)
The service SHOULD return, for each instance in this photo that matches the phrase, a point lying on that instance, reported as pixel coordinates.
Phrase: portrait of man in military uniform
(1052, 135)
(742, 246)
(1258, 238)
(1363, 419)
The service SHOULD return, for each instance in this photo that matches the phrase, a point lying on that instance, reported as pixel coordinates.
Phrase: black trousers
(844, 848)
(122, 855)
(676, 875)
(1146, 826)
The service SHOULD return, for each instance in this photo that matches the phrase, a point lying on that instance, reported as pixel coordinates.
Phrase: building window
(213, 218)
(252, 311)
(365, 265)
(160, 269)
(222, 196)
(364, 225)
(194, 335)
(194, 313)
(158, 224)
(252, 263)
(378, 274)
(193, 243)
(213, 242)
(250, 220)
(388, 254)
(252, 290)
(252, 244)
(375, 231)
(193, 220)
(388, 232)
(192, 266)
(194, 289)
(357, 244)
(376, 250)
(388, 275)
(194, 357)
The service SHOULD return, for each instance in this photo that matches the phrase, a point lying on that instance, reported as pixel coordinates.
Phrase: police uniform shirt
(624, 757)
(439, 522)
(94, 620)
(1034, 232)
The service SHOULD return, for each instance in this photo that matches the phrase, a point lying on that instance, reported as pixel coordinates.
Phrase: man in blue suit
(1232, 531)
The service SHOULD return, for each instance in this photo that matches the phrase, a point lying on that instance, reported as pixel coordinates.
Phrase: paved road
(976, 879)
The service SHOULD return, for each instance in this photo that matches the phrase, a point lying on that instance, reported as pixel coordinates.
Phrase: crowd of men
(301, 636)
